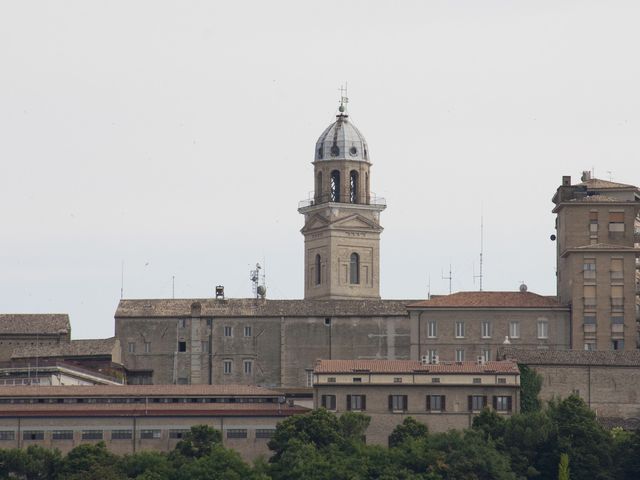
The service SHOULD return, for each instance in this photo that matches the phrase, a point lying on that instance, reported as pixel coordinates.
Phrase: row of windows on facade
(433, 403)
(182, 344)
(125, 434)
(616, 221)
(335, 188)
(616, 344)
(486, 329)
(354, 269)
(138, 399)
(616, 269)
(590, 299)
(476, 380)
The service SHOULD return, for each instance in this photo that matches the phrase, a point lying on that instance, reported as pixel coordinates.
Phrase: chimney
(566, 180)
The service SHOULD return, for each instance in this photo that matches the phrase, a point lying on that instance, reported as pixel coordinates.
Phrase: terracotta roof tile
(599, 183)
(490, 300)
(411, 366)
(251, 307)
(629, 358)
(134, 390)
(75, 348)
(34, 323)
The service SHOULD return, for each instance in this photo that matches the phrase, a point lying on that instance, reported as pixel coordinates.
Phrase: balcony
(344, 199)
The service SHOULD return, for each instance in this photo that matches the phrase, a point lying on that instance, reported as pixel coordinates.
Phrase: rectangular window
(132, 347)
(328, 402)
(7, 435)
(593, 222)
(398, 403)
(182, 346)
(617, 344)
(502, 403)
(617, 298)
(151, 434)
(33, 435)
(309, 375)
(432, 329)
(477, 402)
(436, 403)
(121, 434)
(147, 347)
(460, 329)
(589, 319)
(331, 380)
(543, 329)
(590, 346)
(460, 355)
(435, 380)
(477, 380)
(237, 433)
(248, 367)
(228, 331)
(502, 380)
(204, 346)
(62, 435)
(248, 331)
(589, 268)
(227, 366)
(616, 221)
(91, 434)
(486, 329)
(357, 380)
(617, 319)
(178, 433)
(183, 380)
(514, 329)
(617, 269)
(265, 432)
(183, 323)
(589, 294)
(356, 403)
(485, 353)
(433, 356)
(397, 379)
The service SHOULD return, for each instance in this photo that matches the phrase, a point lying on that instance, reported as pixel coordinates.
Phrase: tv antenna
(258, 282)
(479, 276)
(122, 280)
(448, 278)
(429, 289)
(343, 98)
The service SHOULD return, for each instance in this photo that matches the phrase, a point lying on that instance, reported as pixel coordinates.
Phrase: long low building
(143, 417)
(442, 395)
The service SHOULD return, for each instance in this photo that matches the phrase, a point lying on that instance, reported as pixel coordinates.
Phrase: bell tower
(342, 218)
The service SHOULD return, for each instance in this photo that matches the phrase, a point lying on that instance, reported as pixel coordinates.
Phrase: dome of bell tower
(342, 141)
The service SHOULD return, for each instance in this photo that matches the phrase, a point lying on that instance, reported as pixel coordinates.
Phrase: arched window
(335, 186)
(354, 269)
(318, 271)
(319, 186)
(353, 187)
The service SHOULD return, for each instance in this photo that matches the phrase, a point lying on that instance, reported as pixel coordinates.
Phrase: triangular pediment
(314, 223)
(355, 222)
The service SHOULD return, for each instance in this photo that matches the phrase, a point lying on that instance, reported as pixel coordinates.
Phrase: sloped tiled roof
(251, 307)
(599, 183)
(34, 323)
(410, 366)
(604, 246)
(134, 390)
(75, 348)
(630, 358)
(490, 300)
(595, 198)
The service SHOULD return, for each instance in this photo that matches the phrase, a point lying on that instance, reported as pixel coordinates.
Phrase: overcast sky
(178, 137)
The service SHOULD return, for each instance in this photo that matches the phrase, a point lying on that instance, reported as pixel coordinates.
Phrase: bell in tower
(342, 218)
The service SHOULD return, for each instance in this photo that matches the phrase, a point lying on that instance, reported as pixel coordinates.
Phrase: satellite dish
(523, 288)
(262, 290)
(553, 238)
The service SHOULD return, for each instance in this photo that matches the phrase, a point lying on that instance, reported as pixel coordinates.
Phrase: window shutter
(348, 402)
(616, 217)
(405, 402)
(484, 401)
(390, 402)
(428, 402)
(495, 402)
(593, 216)
(323, 401)
(444, 403)
(364, 402)
(332, 402)
(509, 404)
(470, 403)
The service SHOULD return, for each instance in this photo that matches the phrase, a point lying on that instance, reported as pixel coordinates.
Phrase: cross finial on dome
(343, 99)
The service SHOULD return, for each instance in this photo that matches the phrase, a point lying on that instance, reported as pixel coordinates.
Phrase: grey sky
(178, 136)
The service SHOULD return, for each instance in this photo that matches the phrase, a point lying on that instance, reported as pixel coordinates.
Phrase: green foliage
(218, 464)
(563, 467)
(34, 463)
(89, 462)
(410, 428)
(199, 441)
(530, 385)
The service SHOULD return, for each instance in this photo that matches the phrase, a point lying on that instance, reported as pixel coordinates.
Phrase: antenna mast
(257, 282)
(448, 278)
(479, 276)
(122, 280)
